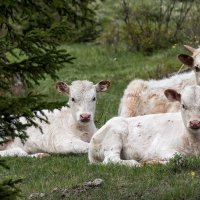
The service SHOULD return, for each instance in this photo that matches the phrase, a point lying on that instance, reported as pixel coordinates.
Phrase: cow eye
(73, 99)
(183, 106)
(94, 99)
(197, 69)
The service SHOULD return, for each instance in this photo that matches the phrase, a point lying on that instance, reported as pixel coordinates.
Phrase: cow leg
(17, 151)
(78, 146)
(112, 152)
(73, 145)
(107, 144)
(165, 157)
(114, 157)
(39, 155)
(14, 152)
(154, 162)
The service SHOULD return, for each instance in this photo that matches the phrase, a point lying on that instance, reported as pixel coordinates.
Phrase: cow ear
(62, 87)
(102, 86)
(186, 60)
(172, 95)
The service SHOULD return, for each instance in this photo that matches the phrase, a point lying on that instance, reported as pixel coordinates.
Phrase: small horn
(191, 49)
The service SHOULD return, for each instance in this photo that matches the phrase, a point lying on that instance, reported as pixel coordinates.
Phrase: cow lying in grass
(147, 97)
(155, 137)
(69, 129)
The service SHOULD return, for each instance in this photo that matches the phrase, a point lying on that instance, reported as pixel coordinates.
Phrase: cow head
(190, 106)
(82, 98)
(192, 61)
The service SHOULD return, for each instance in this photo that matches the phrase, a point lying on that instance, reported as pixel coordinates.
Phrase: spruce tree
(31, 32)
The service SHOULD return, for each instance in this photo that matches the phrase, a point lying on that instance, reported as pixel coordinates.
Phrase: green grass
(173, 181)
(96, 63)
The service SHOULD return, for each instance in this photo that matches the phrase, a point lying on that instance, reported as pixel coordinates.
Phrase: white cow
(147, 97)
(69, 130)
(155, 137)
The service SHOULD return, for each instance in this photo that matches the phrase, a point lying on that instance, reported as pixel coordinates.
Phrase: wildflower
(174, 46)
(193, 173)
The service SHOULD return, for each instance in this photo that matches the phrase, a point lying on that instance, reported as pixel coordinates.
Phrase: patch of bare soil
(65, 193)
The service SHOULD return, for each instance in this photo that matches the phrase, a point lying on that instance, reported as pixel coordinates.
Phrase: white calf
(156, 137)
(147, 97)
(69, 130)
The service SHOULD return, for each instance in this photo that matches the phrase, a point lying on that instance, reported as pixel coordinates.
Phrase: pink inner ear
(169, 94)
(171, 97)
(102, 86)
(62, 87)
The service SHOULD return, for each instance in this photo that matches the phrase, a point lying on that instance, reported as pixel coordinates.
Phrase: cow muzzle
(194, 124)
(85, 117)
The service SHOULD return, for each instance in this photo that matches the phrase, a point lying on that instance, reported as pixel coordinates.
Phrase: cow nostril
(197, 69)
(85, 116)
(195, 124)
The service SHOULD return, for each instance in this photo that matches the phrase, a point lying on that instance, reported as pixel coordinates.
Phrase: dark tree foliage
(9, 189)
(30, 35)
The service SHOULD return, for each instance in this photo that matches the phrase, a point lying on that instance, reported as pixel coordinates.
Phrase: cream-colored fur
(154, 137)
(69, 130)
(146, 97)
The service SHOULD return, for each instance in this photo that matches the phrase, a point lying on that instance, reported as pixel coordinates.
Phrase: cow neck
(89, 128)
(194, 143)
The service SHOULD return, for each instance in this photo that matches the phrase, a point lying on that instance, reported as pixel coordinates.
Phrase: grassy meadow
(96, 63)
(180, 179)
